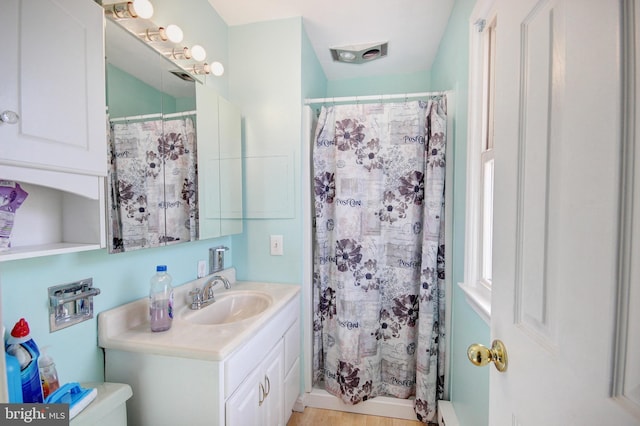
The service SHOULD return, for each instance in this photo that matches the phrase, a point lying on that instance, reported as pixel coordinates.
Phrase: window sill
(479, 298)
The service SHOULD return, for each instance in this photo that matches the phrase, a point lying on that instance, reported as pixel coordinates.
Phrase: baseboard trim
(446, 414)
(299, 405)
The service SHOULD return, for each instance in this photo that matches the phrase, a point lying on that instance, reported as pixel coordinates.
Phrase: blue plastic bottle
(21, 345)
(14, 384)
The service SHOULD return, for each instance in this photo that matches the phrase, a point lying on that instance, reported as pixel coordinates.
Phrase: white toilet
(108, 409)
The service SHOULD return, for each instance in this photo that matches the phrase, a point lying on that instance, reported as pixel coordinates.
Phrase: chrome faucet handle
(196, 298)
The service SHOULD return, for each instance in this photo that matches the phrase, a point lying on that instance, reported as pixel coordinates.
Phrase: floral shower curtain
(379, 172)
(153, 180)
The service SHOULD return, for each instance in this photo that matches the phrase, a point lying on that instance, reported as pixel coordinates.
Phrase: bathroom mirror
(152, 145)
(153, 141)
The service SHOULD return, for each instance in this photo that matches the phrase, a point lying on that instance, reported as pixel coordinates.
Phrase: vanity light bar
(152, 33)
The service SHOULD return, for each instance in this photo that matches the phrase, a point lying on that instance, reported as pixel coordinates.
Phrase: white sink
(229, 307)
(211, 333)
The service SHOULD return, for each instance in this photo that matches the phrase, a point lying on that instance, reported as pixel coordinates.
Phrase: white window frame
(476, 289)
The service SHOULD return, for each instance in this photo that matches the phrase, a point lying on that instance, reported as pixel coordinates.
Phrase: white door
(557, 211)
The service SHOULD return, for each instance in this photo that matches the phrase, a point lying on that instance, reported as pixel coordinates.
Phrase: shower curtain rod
(155, 115)
(372, 97)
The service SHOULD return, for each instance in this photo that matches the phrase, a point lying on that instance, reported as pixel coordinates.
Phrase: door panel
(556, 215)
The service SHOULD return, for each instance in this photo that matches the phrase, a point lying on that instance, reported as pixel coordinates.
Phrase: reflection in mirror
(230, 168)
(153, 172)
(209, 160)
(220, 160)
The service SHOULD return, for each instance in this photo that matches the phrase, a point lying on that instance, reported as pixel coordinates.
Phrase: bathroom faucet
(204, 297)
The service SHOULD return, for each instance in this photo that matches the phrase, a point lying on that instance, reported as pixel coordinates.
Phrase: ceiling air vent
(183, 75)
(358, 54)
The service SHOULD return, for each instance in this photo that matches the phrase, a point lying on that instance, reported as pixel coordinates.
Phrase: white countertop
(127, 327)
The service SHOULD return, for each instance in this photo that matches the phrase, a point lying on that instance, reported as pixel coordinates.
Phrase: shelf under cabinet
(52, 222)
(27, 252)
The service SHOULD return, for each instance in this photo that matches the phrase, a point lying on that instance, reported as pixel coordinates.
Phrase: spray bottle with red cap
(21, 345)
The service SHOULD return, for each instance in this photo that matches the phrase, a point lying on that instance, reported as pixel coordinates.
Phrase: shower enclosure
(375, 260)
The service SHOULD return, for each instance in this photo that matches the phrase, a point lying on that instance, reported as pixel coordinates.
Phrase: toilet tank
(108, 409)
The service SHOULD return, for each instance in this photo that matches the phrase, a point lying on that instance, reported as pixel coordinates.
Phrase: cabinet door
(273, 379)
(243, 407)
(259, 399)
(52, 72)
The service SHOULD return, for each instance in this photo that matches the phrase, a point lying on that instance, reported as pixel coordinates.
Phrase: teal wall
(269, 85)
(469, 385)
(314, 81)
(380, 85)
(266, 83)
(128, 96)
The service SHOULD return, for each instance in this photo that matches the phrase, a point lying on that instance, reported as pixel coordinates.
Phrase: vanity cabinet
(256, 384)
(53, 79)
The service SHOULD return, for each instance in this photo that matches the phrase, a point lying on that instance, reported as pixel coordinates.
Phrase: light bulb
(216, 68)
(143, 8)
(347, 56)
(174, 33)
(198, 53)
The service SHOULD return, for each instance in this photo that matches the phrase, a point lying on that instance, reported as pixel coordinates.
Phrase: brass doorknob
(480, 355)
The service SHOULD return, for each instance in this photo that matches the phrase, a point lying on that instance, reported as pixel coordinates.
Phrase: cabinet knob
(9, 117)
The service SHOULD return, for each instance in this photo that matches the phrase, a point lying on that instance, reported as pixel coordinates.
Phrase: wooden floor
(316, 416)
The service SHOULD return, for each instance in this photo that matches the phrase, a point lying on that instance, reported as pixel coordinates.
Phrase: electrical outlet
(276, 245)
(202, 268)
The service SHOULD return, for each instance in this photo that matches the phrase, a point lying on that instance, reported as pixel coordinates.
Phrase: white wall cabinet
(53, 79)
(53, 76)
(170, 390)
